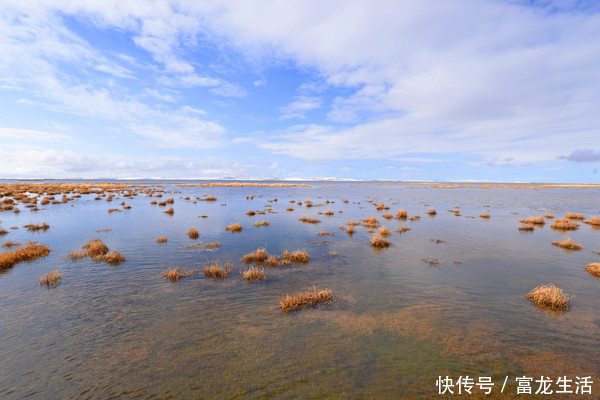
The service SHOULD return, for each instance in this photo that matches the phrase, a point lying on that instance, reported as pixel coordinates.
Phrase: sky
(437, 90)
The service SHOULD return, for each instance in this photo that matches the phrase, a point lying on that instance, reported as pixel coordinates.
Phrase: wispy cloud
(299, 107)
(581, 156)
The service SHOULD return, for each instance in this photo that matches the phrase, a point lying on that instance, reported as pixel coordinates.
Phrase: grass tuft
(37, 227)
(161, 239)
(564, 225)
(534, 221)
(237, 227)
(259, 256)
(115, 257)
(594, 221)
(311, 298)
(175, 274)
(31, 251)
(51, 278)
(568, 244)
(385, 232)
(379, 242)
(549, 296)
(593, 269)
(193, 234)
(254, 274)
(298, 256)
(574, 216)
(215, 270)
(309, 220)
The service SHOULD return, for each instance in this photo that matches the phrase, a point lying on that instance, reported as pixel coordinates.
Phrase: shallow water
(397, 323)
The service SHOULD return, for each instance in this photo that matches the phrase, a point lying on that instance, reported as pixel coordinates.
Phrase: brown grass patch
(385, 232)
(484, 215)
(574, 216)
(250, 213)
(309, 220)
(215, 270)
(31, 251)
(193, 234)
(311, 298)
(329, 213)
(76, 255)
(95, 248)
(3, 231)
(534, 221)
(259, 256)
(254, 274)
(550, 296)
(402, 214)
(387, 216)
(593, 269)
(10, 243)
(564, 225)
(175, 274)
(237, 227)
(112, 210)
(549, 215)
(403, 229)
(289, 209)
(263, 223)
(526, 227)
(170, 211)
(161, 239)
(37, 227)
(324, 233)
(415, 217)
(568, 244)
(433, 262)
(595, 221)
(51, 278)
(209, 198)
(115, 258)
(298, 256)
(431, 212)
(370, 222)
(379, 242)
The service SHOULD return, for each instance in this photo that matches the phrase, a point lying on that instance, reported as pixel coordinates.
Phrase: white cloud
(30, 134)
(299, 107)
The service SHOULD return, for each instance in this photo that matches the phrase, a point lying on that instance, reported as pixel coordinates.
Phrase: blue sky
(407, 90)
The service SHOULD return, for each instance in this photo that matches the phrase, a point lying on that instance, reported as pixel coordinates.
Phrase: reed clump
(262, 223)
(309, 220)
(112, 210)
(526, 227)
(215, 270)
(431, 212)
(311, 298)
(170, 211)
(564, 225)
(568, 244)
(593, 269)
(549, 215)
(37, 227)
(485, 215)
(550, 296)
(259, 256)
(30, 252)
(387, 216)
(51, 278)
(3, 231)
(289, 209)
(115, 257)
(402, 214)
(403, 229)
(254, 274)
(534, 221)
(236, 227)
(10, 243)
(176, 274)
(594, 221)
(370, 222)
(161, 239)
(385, 232)
(209, 198)
(574, 216)
(95, 248)
(298, 256)
(379, 242)
(250, 213)
(193, 234)
(76, 255)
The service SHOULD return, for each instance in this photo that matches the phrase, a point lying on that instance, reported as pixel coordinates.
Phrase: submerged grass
(311, 298)
(236, 227)
(260, 255)
(254, 274)
(550, 296)
(37, 227)
(309, 220)
(176, 274)
(593, 269)
(51, 278)
(215, 270)
(161, 239)
(115, 257)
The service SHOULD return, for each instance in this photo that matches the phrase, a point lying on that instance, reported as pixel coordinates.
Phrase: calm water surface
(397, 323)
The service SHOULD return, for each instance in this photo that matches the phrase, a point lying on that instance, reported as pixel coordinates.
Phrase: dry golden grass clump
(51, 278)
(250, 213)
(10, 243)
(263, 223)
(161, 239)
(162, 203)
(237, 227)
(574, 216)
(564, 225)
(415, 217)
(403, 229)
(260, 255)
(193, 234)
(379, 242)
(350, 230)
(402, 214)
(275, 261)
(298, 256)
(115, 257)
(345, 201)
(37, 227)
(485, 215)
(126, 207)
(549, 215)
(329, 213)
(254, 274)
(215, 270)
(289, 209)
(153, 202)
(170, 201)
(45, 201)
(593, 269)
(95, 248)
(431, 212)
(112, 210)
(385, 232)
(568, 244)
(324, 233)
(104, 230)
(370, 222)
(526, 227)
(170, 211)
(595, 221)
(309, 220)
(387, 216)
(311, 298)
(31, 251)
(175, 274)
(209, 198)
(3, 231)
(534, 221)
(550, 296)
